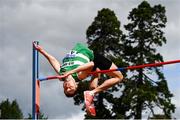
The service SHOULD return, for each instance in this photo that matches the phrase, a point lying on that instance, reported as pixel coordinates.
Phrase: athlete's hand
(38, 47)
(66, 74)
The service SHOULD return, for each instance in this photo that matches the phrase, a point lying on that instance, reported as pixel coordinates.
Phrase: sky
(58, 25)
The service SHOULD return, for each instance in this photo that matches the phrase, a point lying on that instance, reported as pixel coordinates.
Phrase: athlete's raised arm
(52, 60)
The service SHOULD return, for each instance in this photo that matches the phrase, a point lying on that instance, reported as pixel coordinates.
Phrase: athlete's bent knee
(92, 87)
(120, 78)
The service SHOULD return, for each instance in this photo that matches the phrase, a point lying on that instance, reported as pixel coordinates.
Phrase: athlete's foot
(91, 110)
(88, 98)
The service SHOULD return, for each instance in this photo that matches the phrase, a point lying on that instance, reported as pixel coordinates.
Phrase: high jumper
(79, 64)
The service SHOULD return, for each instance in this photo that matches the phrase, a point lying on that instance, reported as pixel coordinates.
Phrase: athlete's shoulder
(81, 44)
(83, 48)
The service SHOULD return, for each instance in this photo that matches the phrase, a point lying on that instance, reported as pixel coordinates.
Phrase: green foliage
(10, 110)
(104, 34)
(145, 35)
(79, 98)
(40, 116)
(139, 46)
(104, 37)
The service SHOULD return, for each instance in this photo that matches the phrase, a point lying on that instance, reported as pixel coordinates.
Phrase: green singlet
(79, 55)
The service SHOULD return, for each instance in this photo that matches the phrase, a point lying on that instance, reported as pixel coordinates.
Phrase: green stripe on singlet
(75, 59)
(68, 68)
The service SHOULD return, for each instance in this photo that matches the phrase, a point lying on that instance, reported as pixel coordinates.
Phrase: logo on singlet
(71, 54)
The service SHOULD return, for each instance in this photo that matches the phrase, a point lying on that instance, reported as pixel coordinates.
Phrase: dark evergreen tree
(140, 92)
(10, 110)
(145, 35)
(104, 33)
(40, 116)
(103, 36)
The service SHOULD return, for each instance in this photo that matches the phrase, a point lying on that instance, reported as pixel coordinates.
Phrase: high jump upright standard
(35, 83)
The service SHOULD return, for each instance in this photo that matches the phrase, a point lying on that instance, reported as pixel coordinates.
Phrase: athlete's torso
(79, 55)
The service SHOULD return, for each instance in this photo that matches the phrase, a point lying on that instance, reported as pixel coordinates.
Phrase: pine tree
(145, 35)
(15, 110)
(103, 36)
(10, 110)
(40, 116)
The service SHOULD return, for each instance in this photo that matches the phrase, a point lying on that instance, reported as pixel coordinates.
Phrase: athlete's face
(70, 86)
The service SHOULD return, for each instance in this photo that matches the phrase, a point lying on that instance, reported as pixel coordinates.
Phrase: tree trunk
(139, 99)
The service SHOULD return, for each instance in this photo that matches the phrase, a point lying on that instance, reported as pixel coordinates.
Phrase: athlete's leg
(89, 95)
(116, 78)
(94, 82)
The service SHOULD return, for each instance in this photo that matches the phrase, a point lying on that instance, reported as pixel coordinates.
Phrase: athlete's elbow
(120, 78)
(92, 87)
